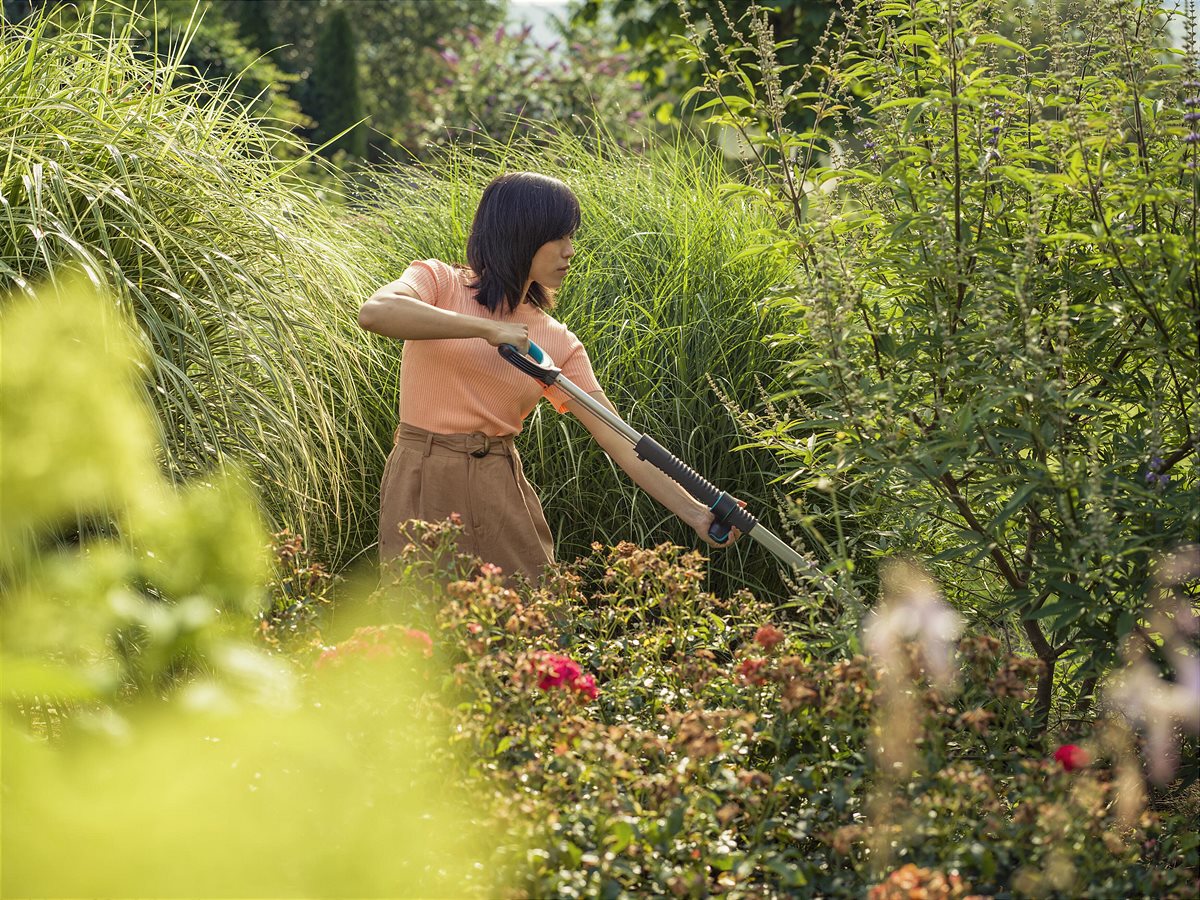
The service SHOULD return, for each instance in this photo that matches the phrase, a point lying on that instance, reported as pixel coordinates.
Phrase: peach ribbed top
(460, 385)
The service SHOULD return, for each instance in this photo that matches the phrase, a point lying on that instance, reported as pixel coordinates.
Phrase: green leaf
(1017, 500)
(1001, 41)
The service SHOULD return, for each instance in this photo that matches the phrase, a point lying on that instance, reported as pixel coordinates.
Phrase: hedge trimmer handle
(546, 374)
(727, 511)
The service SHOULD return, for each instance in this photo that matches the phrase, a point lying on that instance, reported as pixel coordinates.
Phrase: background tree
(655, 30)
(333, 97)
(394, 40)
(481, 83)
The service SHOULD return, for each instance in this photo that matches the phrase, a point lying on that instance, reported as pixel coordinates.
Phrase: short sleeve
(577, 367)
(429, 279)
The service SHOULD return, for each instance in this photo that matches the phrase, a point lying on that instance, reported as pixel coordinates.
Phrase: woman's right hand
(513, 333)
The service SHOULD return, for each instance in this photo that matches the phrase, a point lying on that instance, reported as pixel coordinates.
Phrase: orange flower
(751, 670)
(768, 636)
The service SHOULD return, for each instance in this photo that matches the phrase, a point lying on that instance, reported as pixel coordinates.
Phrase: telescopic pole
(726, 511)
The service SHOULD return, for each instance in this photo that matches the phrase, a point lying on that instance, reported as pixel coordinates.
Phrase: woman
(461, 403)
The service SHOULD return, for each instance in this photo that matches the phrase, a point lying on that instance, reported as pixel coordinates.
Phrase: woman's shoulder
(452, 279)
(448, 269)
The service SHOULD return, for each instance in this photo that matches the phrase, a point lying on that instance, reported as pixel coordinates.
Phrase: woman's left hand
(705, 522)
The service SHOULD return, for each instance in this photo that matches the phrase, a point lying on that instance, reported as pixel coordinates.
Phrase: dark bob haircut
(518, 213)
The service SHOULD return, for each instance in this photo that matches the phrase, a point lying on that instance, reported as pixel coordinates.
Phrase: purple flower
(449, 56)
(1155, 474)
(473, 39)
(499, 35)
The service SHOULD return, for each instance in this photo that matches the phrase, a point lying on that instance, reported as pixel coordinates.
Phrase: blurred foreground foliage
(147, 736)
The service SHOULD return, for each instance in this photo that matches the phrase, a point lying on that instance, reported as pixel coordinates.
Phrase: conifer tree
(254, 24)
(334, 99)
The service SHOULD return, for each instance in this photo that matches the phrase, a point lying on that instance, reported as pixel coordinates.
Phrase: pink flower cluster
(374, 642)
(554, 671)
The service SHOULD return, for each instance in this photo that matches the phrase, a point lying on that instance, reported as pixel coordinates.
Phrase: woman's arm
(395, 311)
(649, 478)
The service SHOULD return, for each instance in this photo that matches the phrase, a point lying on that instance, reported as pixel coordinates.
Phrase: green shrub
(994, 312)
(634, 734)
(145, 738)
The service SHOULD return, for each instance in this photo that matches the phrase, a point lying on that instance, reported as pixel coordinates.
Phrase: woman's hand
(704, 522)
(513, 333)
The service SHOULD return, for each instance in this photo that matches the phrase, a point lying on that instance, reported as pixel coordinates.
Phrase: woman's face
(551, 262)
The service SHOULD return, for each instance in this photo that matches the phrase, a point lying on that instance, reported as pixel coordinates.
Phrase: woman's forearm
(655, 482)
(406, 318)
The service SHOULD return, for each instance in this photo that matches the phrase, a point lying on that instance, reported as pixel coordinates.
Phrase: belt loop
(428, 443)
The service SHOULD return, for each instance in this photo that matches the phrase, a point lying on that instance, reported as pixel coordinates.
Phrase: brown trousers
(429, 476)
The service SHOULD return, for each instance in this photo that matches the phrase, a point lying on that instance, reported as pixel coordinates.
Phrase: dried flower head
(913, 610)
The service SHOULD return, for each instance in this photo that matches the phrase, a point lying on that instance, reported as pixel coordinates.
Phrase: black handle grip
(726, 512)
(547, 375)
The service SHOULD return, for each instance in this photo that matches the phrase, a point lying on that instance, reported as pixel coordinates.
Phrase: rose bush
(719, 755)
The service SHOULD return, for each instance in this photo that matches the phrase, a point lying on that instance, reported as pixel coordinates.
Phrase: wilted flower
(1072, 757)
(768, 636)
(977, 718)
(751, 670)
(911, 881)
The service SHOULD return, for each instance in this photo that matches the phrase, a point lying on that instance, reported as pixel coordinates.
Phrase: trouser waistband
(476, 443)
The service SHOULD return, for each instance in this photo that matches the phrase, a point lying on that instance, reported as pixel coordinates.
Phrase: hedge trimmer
(726, 512)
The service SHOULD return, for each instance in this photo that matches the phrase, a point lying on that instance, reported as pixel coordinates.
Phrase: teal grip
(536, 352)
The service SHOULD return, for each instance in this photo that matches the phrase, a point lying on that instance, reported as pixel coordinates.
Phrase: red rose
(554, 671)
(418, 638)
(1072, 757)
(586, 685)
